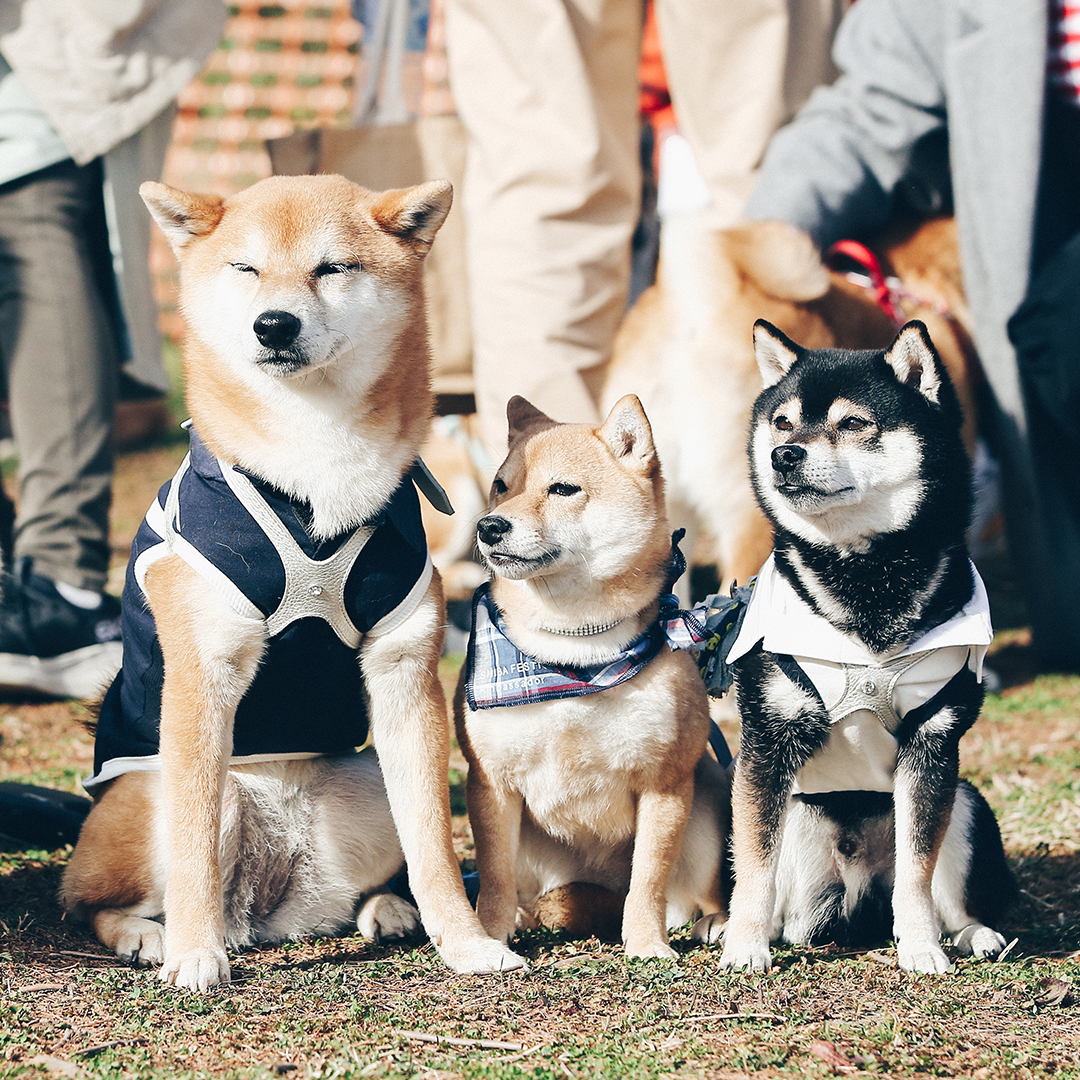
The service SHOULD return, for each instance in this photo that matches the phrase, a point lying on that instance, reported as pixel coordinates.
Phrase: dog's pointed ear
(181, 215)
(523, 417)
(915, 361)
(628, 434)
(775, 352)
(415, 214)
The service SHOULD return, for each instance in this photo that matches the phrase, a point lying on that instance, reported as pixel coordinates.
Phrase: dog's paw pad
(978, 940)
(385, 915)
(480, 955)
(923, 959)
(141, 941)
(709, 929)
(198, 969)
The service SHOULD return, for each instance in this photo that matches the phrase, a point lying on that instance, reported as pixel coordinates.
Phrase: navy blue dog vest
(318, 599)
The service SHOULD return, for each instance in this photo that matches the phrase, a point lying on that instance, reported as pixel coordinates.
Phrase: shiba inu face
(570, 499)
(306, 358)
(837, 447)
(306, 272)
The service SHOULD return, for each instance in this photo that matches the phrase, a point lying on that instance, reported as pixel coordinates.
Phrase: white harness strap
(175, 544)
(873, 688)
(313, 587)
(866, 704)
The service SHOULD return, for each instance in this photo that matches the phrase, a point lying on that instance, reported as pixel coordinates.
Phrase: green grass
(335, 1007)
(590, 1014)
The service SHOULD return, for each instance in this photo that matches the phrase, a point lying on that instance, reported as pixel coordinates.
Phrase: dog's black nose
(277, 329)
(492, 529)
(788, 457)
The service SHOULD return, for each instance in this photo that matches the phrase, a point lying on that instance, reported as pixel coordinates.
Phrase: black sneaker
(50, 646)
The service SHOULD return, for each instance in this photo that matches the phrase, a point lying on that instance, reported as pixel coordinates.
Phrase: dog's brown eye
(563, 489)
(498, 487)
(853, 423)
(782, 423)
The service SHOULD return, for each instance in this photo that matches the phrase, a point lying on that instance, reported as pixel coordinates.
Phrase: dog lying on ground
(685, 350)
(858, 665)
(280, 600)
(580, 775)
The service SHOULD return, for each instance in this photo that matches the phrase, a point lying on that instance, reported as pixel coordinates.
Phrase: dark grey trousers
(59, 366)
(1046, 334)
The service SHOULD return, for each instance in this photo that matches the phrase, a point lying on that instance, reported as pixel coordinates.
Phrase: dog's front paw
(922, 958)
(385, 915)
(499, 919)
(650, 950)
(709, 929)
(480, 954)
(978, 940)
(197, 969)
(743, 955)
(140, 941)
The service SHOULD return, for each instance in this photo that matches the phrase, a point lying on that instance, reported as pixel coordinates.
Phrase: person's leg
(60, 366)
(1045, 332)
(547, 91)
(139, 157)
(142, 411)
(60, 363)
(737, 72)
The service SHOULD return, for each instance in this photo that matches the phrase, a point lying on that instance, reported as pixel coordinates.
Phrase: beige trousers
(548, 93)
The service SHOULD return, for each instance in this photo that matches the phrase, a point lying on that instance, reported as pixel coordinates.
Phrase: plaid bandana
(500, 674)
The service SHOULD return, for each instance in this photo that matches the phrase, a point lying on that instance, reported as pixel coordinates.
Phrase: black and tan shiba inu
(859, 665)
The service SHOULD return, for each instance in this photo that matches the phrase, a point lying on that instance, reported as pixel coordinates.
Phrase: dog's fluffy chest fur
(579, 762)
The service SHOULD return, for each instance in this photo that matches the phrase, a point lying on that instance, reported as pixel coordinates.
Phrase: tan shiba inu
(280, 601)
(585, 733)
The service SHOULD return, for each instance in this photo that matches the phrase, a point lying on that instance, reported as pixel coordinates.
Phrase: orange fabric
(654, 97)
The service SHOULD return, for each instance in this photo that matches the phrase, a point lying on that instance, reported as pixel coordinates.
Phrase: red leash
(884, 293)
(888, 292)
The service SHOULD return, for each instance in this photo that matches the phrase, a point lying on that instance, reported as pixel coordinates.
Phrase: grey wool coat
(931, 91)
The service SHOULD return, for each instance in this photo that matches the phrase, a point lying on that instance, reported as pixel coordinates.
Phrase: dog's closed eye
(324, 269)
(564, 490)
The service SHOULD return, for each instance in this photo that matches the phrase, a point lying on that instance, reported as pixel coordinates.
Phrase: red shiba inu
(280, 603)
(585, 733)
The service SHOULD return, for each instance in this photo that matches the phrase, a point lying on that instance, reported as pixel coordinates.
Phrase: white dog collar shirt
(866, 695)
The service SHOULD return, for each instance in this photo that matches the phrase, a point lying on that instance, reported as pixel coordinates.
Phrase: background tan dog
(306, 365)
(686, 349)
(598, 788)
